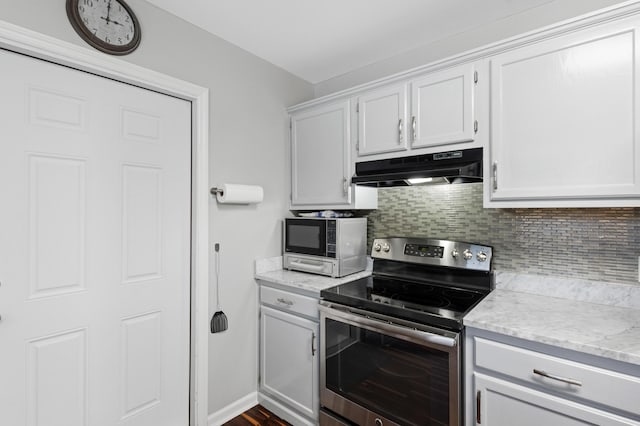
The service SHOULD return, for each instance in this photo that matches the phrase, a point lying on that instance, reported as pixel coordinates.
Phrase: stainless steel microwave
(327, 246)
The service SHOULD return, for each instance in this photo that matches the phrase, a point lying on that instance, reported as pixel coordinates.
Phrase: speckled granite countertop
(563, 313)
(270, 270)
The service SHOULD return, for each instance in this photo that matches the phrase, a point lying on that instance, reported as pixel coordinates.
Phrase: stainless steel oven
(376, 370)
(391, 344)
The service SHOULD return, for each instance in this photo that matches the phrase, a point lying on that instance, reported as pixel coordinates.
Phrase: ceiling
(320, 39)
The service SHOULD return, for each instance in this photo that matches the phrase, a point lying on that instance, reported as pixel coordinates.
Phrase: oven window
(403, 381)
(307, 236)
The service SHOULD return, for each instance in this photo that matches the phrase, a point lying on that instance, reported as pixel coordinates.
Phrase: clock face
(107, 25)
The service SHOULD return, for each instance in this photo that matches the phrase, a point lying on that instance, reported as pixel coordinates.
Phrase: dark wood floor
(257, 416)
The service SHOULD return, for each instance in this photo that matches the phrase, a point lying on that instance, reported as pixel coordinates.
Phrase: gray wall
(249, 134)
(546, 14)
(600, 244)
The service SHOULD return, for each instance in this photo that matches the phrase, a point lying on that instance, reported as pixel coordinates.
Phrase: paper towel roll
(239, 194)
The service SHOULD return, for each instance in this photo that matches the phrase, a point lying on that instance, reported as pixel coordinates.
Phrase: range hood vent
(462, 166)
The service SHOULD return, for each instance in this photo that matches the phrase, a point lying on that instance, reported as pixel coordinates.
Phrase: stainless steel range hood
(461, 166)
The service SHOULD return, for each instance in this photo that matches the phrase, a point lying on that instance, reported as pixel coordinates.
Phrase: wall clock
(108, 25)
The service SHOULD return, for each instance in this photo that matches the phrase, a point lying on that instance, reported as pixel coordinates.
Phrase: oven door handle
(348, 315)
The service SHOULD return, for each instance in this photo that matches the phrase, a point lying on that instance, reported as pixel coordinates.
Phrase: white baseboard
(284, 412)
(232, 410)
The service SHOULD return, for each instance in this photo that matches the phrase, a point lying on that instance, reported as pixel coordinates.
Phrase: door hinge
(475, 126)
(478, 407)
(475, 77)
(358, 107)
(357, 146)
(290, 124)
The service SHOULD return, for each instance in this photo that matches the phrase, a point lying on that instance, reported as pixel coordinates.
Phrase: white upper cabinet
(382, 118)
(564, 121)
(442, 107)
(421, 115)
(320, 160)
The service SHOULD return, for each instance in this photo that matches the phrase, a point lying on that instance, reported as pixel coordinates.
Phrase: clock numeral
(107, 39)
(119, 40)
(95, 31)
(127, 36)
(126, 19)
(81, 8)
(85, 20)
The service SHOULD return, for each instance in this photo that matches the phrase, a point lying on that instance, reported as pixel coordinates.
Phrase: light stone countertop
(270, 270)
(562, 313)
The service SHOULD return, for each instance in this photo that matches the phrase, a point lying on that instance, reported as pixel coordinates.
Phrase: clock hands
(108, 12)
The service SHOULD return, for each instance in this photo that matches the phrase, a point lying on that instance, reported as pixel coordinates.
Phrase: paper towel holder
(237, 193)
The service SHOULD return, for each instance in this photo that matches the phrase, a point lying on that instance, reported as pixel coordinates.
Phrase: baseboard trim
(232, 410)
(284, 412)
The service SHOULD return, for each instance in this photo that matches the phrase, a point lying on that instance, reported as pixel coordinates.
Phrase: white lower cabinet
(504, 403)
(510, 381)
(289, 362)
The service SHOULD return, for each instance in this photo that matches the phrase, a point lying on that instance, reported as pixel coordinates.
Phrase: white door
(94, 250)
(502, 403)
(382, 120)
(564, 119)
(289, 361)
(442, 107)
(320, 144)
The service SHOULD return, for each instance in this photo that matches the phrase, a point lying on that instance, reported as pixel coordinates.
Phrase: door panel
(382, 120)
(95, 249)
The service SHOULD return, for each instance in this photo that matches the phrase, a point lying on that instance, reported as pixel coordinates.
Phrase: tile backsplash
(601, 244)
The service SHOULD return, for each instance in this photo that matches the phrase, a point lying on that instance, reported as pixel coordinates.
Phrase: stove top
(420, 280)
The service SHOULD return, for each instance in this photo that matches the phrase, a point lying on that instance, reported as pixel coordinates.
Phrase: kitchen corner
(270, 271)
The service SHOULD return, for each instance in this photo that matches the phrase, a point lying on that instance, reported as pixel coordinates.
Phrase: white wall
(249, 144)
(549, 13)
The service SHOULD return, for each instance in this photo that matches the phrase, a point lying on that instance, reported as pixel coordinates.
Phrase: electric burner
(432, 282)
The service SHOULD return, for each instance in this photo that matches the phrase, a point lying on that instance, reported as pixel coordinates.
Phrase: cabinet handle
(413, 128)
(285, 301)
(313, 345)
(400, 131)
(495, 176)
(558, 378)
(345, 187)
(478, 407)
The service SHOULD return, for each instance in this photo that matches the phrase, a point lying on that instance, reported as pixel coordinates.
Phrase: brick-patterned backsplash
(601, 244)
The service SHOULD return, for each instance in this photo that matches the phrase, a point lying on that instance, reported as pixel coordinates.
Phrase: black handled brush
(219, 319)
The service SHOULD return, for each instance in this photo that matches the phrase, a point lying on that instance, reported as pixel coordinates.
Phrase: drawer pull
(558, 378)
(284, 301)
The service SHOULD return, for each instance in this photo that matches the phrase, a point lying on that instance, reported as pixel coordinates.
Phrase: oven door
(376, 370)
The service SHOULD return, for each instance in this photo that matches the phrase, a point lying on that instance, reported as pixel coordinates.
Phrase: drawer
(593, 384)
(292, 302)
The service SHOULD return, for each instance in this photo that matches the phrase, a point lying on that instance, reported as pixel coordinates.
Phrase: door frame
(31, 43)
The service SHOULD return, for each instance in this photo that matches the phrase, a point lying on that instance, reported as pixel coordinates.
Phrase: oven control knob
(467, 254)
(377, 246)
(386, 247)
(481, 256)
(455, 253)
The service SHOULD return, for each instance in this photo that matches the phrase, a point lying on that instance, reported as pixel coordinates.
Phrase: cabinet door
(503, 403)
(564, 118)
(320, 143)
(289, 360)
(382, 120)
(442, 107)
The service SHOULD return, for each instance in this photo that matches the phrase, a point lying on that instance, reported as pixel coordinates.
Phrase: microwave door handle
(309, 266)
